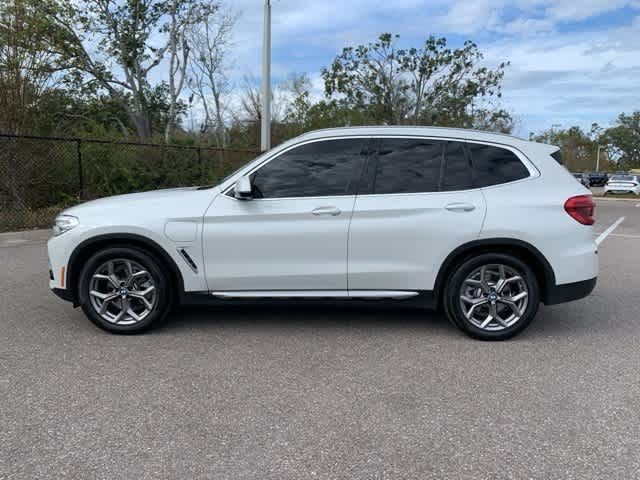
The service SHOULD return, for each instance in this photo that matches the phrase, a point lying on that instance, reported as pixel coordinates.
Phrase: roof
(461, 133)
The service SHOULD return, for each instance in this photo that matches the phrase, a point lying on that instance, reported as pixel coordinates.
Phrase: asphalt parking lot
(273, 393)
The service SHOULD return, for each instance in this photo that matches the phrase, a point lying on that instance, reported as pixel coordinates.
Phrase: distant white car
(623, 184)
(482, 225)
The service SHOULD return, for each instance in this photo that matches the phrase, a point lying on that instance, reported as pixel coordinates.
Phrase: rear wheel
(492, 296)
(124, 290)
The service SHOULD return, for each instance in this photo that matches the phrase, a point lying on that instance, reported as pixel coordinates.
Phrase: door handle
(333, 211)
(460, 207)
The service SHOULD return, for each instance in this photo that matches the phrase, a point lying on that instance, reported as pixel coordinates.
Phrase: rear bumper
(569, 292)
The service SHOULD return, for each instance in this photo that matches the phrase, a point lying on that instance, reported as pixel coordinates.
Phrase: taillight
(581, 208)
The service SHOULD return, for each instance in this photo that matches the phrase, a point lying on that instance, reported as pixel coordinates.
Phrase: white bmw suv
(482, 225)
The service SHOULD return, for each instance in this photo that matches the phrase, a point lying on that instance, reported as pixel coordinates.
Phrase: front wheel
(124, 290)
(492, 296)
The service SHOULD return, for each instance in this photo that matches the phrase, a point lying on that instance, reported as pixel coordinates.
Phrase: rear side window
(495, 165)
(458, 174)
(407, 166)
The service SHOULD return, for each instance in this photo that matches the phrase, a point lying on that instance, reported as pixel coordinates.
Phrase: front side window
(495, 165)
(318, 169)
(407, 166)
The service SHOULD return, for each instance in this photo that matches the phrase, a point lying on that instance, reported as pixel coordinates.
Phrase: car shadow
(306, 315)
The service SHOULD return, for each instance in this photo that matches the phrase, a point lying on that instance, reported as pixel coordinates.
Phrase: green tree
(623, 140)
(29, 73)
(116, 46)
(579, 148)
(430, 85)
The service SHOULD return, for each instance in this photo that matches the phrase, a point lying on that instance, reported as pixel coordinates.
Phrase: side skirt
(416, 299)
(313, 294)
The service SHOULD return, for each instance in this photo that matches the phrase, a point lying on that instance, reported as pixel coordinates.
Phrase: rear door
(417, 204)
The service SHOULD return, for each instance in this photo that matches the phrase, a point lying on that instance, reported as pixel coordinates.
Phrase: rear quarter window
(496, 165)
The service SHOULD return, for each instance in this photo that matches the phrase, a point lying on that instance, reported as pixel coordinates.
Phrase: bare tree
(27, 67)
(184, 15)
(211, 40)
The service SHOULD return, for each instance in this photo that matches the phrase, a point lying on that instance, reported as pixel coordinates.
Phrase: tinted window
(458, 174)
(407, 166)
(557, 156)
(316, 169)
(494, 165)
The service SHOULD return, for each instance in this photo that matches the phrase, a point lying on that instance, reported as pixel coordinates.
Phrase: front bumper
(569, 292)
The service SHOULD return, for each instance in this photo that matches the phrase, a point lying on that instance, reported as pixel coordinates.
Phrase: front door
(293, 234)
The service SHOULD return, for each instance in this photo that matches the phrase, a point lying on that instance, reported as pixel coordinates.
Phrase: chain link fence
(40, 176)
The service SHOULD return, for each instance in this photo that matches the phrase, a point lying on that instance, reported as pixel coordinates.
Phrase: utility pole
(265, 130)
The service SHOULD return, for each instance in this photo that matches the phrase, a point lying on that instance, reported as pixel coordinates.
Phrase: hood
(165, 203)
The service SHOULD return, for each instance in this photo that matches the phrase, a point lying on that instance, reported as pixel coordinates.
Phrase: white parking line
(609, 230)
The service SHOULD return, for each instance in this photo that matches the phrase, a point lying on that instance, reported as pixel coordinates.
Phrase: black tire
(161, 282)
(452, 303)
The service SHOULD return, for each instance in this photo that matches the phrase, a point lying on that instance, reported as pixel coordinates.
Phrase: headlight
(64, 223)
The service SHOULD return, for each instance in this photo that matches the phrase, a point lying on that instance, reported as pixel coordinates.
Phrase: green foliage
(430, 85)
(623, 140)
(620, 144)
(579, 148)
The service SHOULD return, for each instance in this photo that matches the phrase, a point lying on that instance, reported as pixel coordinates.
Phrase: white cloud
(557, 75)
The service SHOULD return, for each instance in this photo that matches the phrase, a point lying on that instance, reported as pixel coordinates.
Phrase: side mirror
(242, 189)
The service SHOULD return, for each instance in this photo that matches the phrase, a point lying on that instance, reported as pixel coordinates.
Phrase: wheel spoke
(103, 296)
(519, 296)
(474, 301)
(507, 281)
(474, 283)
(486, 321)
(133, 314)
(141, 273)
(144, 299)
(112, 274)
(105, 304)
(129, 268)
(475, 304)
(124, 306)
(100, 276)
(144, 292)
(501, 321)
(483, 279)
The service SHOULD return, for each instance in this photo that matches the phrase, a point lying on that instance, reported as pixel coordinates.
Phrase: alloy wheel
(494, 297)
(122, 292)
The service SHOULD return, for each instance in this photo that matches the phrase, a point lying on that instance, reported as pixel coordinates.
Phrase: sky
(573, 62)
